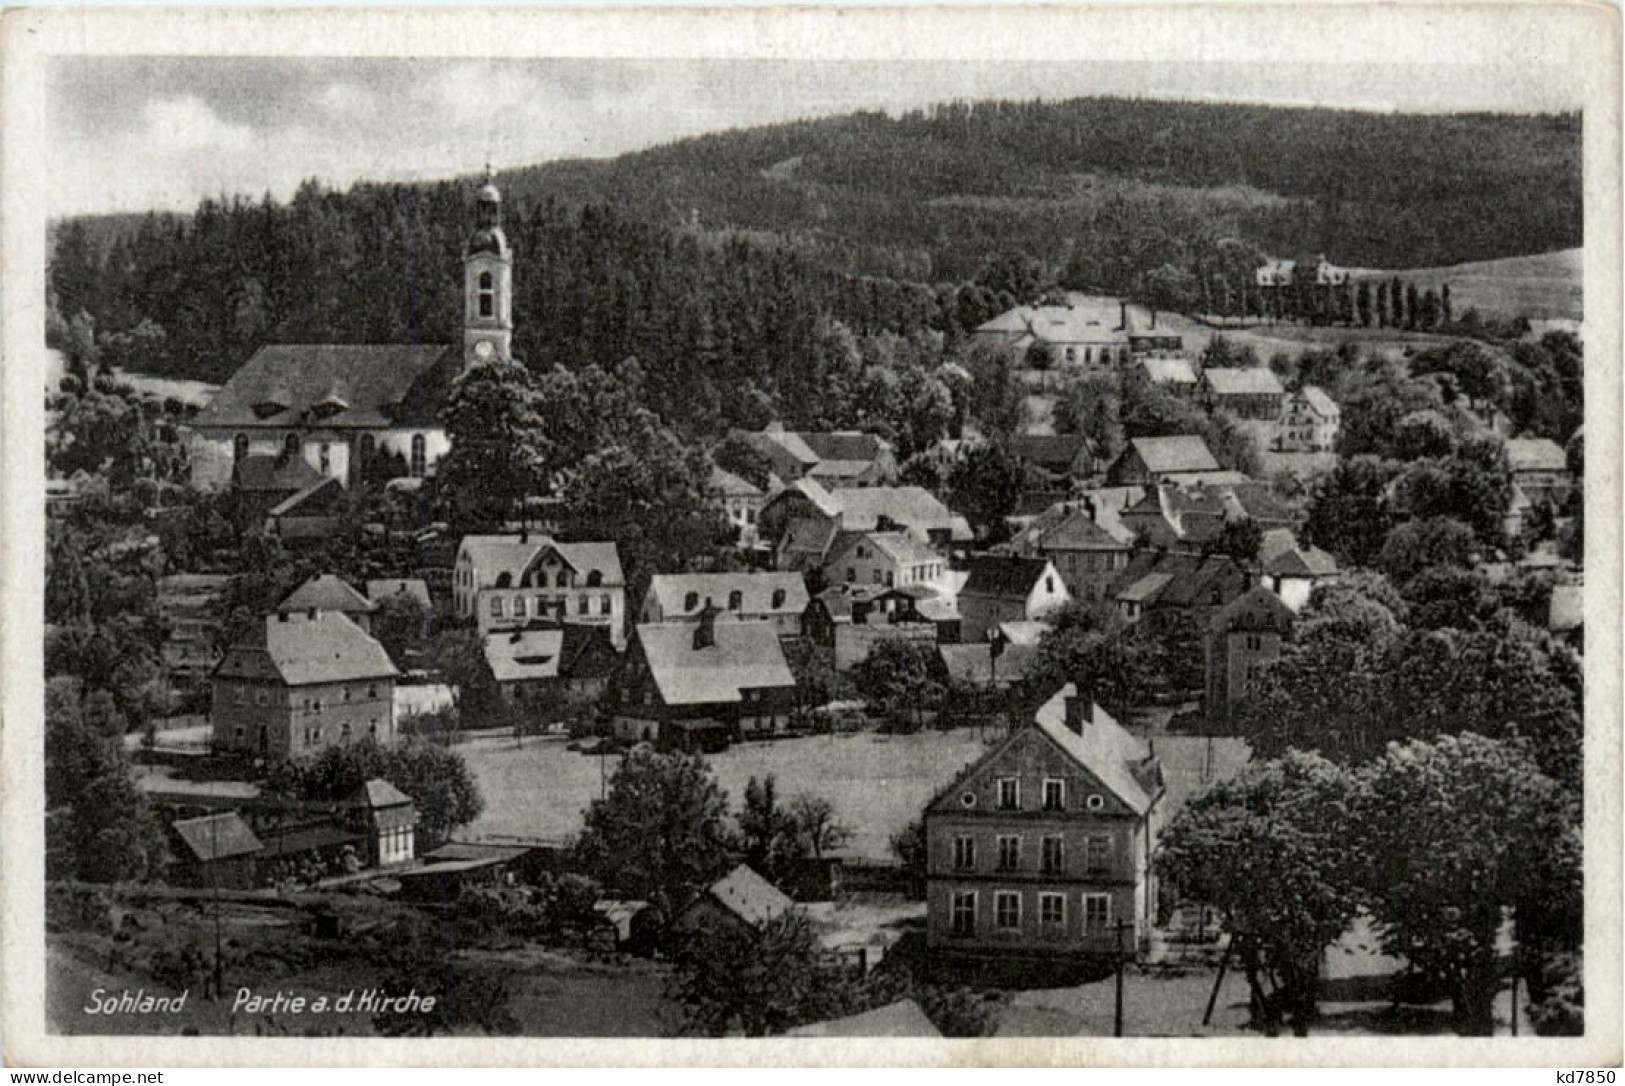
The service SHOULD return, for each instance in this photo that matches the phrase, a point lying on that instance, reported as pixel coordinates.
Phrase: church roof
(335, 386)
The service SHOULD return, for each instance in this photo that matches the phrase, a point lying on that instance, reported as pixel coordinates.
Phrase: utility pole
(1117, 1017)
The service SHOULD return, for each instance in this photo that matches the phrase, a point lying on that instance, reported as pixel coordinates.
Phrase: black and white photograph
(578, 538)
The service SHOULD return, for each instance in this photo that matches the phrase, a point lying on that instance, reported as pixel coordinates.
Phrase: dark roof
(842, 445)
(326, 593)
(217, 836)
(1189, 574)
(1003, 575)
(335, 385)
(1054, 451)
(276, 473)
(1256, 609)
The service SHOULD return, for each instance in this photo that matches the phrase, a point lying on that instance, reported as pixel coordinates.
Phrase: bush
(1559, 1008)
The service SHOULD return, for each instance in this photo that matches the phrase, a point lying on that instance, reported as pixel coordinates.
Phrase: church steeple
(487, 282)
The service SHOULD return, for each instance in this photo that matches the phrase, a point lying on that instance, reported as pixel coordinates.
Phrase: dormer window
(778, 598)
(269, 406)
(329, 405)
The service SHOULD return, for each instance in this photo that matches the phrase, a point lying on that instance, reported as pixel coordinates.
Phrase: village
(944, 717)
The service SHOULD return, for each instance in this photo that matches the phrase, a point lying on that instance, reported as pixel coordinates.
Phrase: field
(878, 783)
(1542, 286)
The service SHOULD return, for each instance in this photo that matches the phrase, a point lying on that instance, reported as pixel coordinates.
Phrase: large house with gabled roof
(506, 581)
(1146, 461)
(1043, 846)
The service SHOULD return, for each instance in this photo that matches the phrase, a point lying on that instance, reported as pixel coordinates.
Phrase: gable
(1030, 756)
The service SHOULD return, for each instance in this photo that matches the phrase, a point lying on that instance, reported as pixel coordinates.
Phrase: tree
(985, 484)
(443, 791)
(1348, 509)
(661, 834)
(1452, 835)
(1417, 545)
(1170, 287)
(502, 450)
(1422, 435)
(759, 981)
(399, 622)
(909, 846)
(1240, 538)
(814, 826)
(765, 829)
(459, 656)
(901, 678)
(1269, 849)
(736, 454)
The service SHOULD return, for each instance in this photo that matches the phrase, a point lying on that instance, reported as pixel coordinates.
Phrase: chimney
(705, 632)
(1080, 712)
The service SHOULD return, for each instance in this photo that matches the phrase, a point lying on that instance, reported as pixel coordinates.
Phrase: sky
(160, 133)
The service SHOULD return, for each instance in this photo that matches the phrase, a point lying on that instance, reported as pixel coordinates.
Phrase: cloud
(187, 123)
(347, 102)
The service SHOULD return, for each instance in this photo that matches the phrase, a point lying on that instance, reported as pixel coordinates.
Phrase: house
(1292, 570)
(1053, 460)
(1169, 514)
(1176, 375)
(188, 603)
(310, 516)
(987, 665)
(1167, 586)
(880, 615)
(389, 818)
(1277, 274)
(1539, 468)
(778, 599)
(803, 520)
(1146, 461)
(1252, 392)
(215, 850)
(1310, 421)
(741, 899)
(1007, 588)
(541, 662)
(890, 559)
(901, 1019)
(703, 683)
(329, 593)
(1089, 554)
(1043, 846)
(353, 411)
(1243, 637)
(740, 501)
(505, 581)
(413, 588)
(837, 459)
(261, 482)
(300, 682)
(1084, 335)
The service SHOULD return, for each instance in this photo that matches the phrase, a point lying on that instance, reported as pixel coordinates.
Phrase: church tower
(487, 284)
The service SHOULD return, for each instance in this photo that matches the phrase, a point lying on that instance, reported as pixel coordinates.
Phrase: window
(875, 576)
(242, 695)
(691, 601)
(890, 579)
(1009, 853)
(778, 598)
(496, 606)
(964, 852)
(487, 294)
(851, 575)
(1052, 910)
(1098, 854)
(290, 445)
(344, 733)
(1049, 585)
(519, 607)
(366, 447)
(1054, 856)
(541, 606)
(1054, 794)
(581, 605)
(326, 456)
(316, 706)
(239, 447)
(259, 697)
(603, 603)
(1009, 794)
(1007, 909)
(736, 600)
(346, 693)
(964, 912)
(1255, 642)
(372, 691)
(594, 579)
(1097, 913)
(420, 456)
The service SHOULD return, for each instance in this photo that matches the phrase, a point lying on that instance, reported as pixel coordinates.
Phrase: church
(354, 412)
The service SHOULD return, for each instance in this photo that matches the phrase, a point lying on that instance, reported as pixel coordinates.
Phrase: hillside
(1543, 286)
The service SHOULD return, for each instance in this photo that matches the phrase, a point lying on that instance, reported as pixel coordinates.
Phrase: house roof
(520, 655)
(1145, 587)
(378, 792)
(1185, 453)
(1083, 321)
(216, 836)
(973, 664)
(1169, 371)
(902, 548)
(258, 472)
(901, 1019)
(326, 592)
(1190, 575)
(335, 386)
(913, 507)
(847, 445)
(1057, 452)
(399, 586)
(743, 656)
(809, 535)
(727, 484)
(789, 442)
(757, 591)
(839, 469)
(1243, 381)
(1256, 609)
(1104, 749)
(494, 555)
(317, 499)
(1075, 531)
(1319, 401)
(749, 896)
(1300, 561)
(1535, 454)
(301, 651)
(1003, 575)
